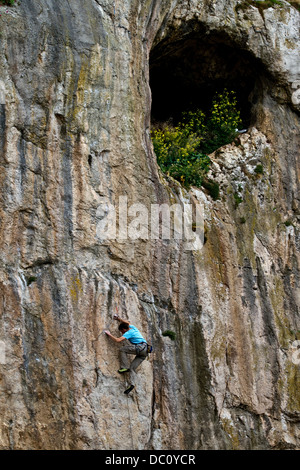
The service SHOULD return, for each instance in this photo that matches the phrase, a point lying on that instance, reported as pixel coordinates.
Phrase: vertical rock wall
(74, 129)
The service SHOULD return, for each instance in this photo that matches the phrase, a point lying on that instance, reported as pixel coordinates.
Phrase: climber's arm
(121, 320)
(114, 338)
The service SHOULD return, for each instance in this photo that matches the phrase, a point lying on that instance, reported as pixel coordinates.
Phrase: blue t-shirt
(134, 336)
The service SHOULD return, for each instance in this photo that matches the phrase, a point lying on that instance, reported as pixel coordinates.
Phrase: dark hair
(123, 326)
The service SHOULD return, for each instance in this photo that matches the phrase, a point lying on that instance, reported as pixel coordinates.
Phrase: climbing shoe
(128, 390)
(121, 371)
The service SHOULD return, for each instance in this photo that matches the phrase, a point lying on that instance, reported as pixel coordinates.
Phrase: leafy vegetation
(265, 4)
(212, 187)
(7, 2)
(182, 150)
(295, 5)
(170, 334)
(237, 199)
(31, 279)
(259, 169)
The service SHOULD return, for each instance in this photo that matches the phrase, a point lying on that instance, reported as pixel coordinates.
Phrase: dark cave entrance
(185, 74)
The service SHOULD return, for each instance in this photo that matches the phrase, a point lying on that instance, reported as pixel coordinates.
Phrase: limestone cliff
(78, 80)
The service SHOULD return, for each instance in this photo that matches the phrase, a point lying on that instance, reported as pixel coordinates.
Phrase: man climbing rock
(134, 343)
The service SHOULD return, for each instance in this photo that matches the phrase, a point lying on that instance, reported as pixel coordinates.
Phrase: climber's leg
(125, 350)
(141, 351)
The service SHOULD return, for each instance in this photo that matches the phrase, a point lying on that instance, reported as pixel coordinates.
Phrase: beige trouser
(140, 350)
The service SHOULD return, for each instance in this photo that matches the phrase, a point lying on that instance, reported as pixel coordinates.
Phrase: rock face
(75, 132)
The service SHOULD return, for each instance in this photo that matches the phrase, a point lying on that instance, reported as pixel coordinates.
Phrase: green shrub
(237, 199)
(178, 153)
(265, 4)
(295, 5)
(259, 169)
(223, 120)
(7, 2)
(170, 334)
(31, 279)
(182, 150)
(260, 4)
(212, 187)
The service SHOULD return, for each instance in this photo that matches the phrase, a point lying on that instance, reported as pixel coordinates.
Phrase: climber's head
(123, 327)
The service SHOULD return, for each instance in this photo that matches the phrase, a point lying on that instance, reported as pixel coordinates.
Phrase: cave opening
(186, 73)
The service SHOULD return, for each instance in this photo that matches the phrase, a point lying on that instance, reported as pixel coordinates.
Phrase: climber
(134, 344)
